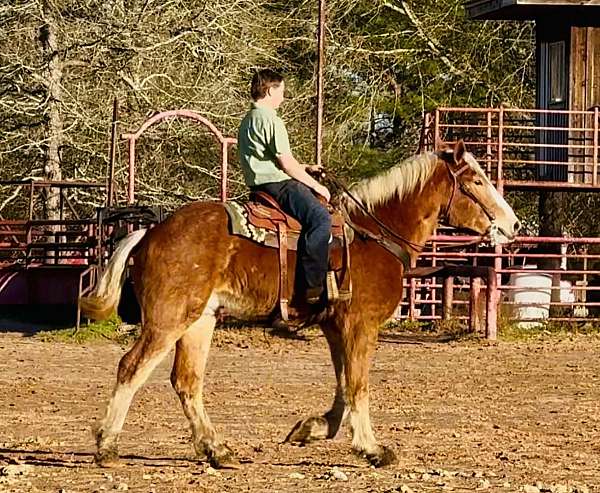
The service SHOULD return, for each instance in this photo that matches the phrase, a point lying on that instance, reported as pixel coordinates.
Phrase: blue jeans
(297, 200)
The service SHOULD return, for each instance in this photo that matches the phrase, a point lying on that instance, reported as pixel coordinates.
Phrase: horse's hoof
(381, 458)
(107, 458)
(222, 457)
(307, 430)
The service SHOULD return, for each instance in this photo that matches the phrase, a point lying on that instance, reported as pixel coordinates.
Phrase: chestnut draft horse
(189, 267)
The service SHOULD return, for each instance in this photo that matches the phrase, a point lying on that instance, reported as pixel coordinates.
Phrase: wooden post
(474, 300)
(447, 297)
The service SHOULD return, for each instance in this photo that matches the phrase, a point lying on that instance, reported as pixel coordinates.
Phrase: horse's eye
(478, 182)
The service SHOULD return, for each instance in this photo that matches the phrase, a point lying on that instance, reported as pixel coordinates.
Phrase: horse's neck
(415, 217)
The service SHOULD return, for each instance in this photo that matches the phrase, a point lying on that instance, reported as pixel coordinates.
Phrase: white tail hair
(103, 300)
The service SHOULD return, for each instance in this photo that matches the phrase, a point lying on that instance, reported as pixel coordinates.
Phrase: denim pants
(298, 201)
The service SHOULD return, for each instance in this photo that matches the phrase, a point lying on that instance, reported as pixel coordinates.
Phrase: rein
(381, 224)
(381, 239)
(384, 239)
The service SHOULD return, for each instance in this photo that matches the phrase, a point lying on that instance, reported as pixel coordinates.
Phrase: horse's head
(474, 203)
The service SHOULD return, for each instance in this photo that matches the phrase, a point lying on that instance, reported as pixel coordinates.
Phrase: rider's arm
(280, 146)
(292, 167)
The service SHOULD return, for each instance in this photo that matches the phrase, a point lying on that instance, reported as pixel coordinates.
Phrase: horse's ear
(459, 151)
(440, 145)
(444, 150)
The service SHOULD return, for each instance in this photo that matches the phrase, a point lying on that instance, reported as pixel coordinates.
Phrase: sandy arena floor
(461, 416)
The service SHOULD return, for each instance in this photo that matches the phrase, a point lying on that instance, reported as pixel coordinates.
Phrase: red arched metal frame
(132, 138)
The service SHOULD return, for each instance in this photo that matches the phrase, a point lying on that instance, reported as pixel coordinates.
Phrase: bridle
(465, 190)
(384, 237)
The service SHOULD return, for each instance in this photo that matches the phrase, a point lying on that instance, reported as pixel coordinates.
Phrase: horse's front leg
(327, 425)
(359, 344)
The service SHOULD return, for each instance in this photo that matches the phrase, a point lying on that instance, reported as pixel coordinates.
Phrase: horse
(189, 267)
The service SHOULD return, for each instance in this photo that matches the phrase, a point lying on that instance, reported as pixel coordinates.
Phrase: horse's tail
(103, 300)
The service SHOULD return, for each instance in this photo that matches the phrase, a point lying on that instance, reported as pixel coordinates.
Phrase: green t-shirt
(262, 137)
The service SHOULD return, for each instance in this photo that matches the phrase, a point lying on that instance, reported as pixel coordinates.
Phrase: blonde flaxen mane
(401, 180)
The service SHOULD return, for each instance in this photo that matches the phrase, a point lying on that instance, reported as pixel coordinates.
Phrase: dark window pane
(556, 57)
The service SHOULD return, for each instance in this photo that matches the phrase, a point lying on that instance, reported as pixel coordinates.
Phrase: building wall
(584, 95)
(585, 67)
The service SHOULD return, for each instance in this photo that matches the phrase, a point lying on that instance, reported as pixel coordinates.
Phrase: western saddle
(264, 212)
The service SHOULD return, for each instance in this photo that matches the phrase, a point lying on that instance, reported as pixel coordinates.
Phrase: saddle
(263, 212)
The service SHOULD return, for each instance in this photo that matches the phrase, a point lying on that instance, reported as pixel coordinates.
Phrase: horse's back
(193, 224)
(183, 255)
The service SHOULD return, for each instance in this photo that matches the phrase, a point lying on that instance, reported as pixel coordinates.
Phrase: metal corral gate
(519, 151)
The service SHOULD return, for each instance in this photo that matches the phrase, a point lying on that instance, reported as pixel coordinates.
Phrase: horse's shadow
(417, 339)
(48, 458)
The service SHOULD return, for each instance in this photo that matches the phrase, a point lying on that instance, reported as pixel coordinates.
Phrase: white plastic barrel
(531, 296)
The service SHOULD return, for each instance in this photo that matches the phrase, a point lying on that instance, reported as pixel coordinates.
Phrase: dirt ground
(461, 416)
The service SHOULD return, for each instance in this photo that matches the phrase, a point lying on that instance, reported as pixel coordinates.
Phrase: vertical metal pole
(320, 64)
(224, 163)
(61, 204)
(412, 287)
(131, 184)
(595, 149)
(412, 284)
(113, 153)
(436, 128)
(491, 319)
(488, 156)
(474, 319)
(55, 229)
(447, 297)
(425, 131)
(499, 177)
(433, 279)
(31, 186)
(498, 249)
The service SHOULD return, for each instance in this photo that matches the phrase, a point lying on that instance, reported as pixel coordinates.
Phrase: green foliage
(512, 331)
(111, 329)
(388, 62)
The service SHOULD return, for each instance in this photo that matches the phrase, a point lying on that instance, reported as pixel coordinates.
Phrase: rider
(269, 166)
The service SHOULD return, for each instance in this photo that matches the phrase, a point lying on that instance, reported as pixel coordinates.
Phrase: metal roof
(585, 12)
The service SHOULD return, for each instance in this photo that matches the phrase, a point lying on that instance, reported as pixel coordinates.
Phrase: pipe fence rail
(528, 149)
(527, 292)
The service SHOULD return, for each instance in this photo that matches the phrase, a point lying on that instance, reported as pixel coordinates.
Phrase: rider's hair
(262, 81)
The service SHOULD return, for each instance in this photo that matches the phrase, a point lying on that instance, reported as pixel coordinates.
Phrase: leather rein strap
(389, 244)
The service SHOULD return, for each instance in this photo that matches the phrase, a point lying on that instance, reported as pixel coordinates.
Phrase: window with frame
(557, 68)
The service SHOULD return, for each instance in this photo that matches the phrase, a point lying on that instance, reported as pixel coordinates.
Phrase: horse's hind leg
(134, 369)
(328, 425)
(187, 378)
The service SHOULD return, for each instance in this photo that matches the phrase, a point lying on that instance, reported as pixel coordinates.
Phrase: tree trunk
(54, 125)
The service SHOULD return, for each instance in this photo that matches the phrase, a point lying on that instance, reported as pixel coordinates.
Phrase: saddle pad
(241, 226)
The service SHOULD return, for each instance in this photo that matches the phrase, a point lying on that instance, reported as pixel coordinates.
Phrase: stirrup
(332, 287)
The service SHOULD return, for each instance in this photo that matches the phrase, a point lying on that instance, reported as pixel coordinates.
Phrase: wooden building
(567, 71)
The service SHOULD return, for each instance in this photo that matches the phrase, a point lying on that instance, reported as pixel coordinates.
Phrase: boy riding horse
(269, 166)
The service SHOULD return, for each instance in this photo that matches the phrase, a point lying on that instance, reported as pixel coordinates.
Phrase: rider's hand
(321, 190)
(315, 169)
